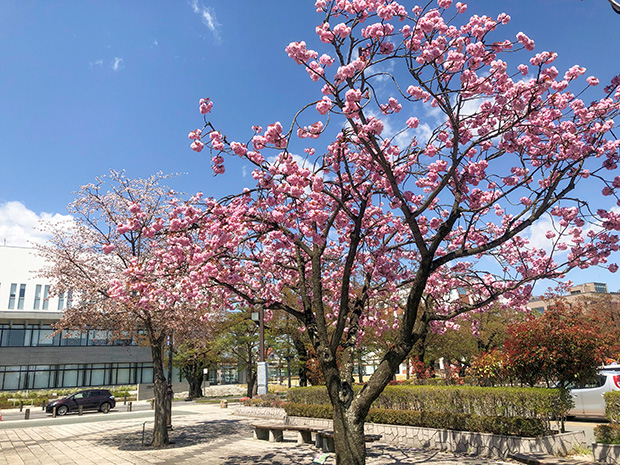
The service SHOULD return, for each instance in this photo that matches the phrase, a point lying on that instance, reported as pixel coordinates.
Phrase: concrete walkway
(203, 433)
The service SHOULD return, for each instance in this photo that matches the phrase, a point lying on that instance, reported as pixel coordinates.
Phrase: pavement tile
(203, 433)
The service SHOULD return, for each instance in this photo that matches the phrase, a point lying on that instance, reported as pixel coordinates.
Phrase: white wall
(20, 265)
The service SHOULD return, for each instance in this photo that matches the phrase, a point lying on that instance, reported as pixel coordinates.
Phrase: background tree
(240, 337)
(492, 368)
(561, 346)
(469, 337)
(199, 349)
(114, 233)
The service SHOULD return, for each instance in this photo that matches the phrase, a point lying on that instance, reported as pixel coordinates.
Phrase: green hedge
(508, 426)
(607, 434)
(511, 402)
(612, 406)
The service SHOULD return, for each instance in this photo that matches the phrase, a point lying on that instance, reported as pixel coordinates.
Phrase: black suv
(91, 399)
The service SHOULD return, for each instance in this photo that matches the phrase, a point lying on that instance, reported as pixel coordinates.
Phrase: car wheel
(105, 407)
(62, 410)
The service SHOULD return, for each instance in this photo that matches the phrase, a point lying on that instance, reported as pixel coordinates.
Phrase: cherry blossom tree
(428, 157)
(383, 207)
(101, 256)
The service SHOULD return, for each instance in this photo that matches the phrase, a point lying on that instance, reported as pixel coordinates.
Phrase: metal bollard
(143, 431)
(27, 415)
(54, 412)
(80, 409)
(125, 399)
(21, 405)
(129, 406)
(43, 405)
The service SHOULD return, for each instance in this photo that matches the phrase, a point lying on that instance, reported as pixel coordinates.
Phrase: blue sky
(89, 86)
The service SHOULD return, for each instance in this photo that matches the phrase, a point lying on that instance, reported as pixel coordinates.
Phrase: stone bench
(274, 432)
(325, 440)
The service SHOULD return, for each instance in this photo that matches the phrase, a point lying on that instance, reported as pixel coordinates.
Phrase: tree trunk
(160, 429)
(194, 379)
(251, 373)
(360, 368)
(349, 442)
(302, 355)
(251, 391)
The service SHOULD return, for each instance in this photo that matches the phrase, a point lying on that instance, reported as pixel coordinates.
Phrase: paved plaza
(203, 434)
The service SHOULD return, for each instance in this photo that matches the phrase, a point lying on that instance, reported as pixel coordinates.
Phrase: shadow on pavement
(181, 436)
(377, 454)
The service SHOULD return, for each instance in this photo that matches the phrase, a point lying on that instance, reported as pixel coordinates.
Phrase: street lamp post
(263, 367)
(169, 392)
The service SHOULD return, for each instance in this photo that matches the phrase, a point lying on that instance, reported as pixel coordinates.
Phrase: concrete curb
(544, 459)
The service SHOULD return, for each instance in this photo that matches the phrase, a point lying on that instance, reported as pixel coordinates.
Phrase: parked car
(91, 399)
(588, 398)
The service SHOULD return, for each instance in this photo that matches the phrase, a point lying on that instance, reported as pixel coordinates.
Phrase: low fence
(491, 445)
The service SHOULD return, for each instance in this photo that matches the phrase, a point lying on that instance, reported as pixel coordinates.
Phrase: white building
(33, 357)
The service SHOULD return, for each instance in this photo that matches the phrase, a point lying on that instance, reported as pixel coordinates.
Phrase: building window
(73, 338)
(61, 301)
(69, 299)
(22, 297)
(12, 296)
(15, 336)
(600, 288)
(37, 297)
(46, 297)
(61, 376)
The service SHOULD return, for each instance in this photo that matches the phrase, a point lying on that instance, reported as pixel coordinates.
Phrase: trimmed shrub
(313, 395)
(547, 404)
(607, 434)
(612, 406)
(508, 426)
(308, 410)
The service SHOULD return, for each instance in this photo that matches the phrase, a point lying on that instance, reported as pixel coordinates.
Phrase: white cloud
(536, 233)
(20, 226)
(244, 171)
(382, 72)
(117, 63)
(207, 15)
(99, 62)
(155, 43)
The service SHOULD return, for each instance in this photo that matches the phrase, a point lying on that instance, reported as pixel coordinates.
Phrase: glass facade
(224, 375)
(61, 376)
(41, 335)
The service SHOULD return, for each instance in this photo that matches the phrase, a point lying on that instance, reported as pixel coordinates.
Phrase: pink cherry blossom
(205, 105)
(197, 146)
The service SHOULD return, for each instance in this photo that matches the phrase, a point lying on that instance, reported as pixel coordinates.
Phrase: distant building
(582, 293)
(32, 358)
